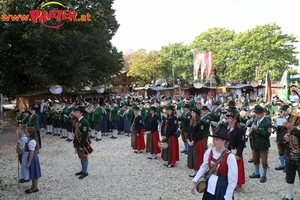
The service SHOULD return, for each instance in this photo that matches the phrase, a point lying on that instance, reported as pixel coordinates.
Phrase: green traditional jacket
(97, 114)
(121, 114)
(114, 113)
(180, 104)
(206, 121)
(68, 117)
(34, 121)
(130, 115)
(185, 119)
(192, 104)
(105, 114)
(25, 120)
(216, 114)
(82, 133)
(261, 137)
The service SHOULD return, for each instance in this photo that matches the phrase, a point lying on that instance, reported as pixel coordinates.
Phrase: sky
(151, 24)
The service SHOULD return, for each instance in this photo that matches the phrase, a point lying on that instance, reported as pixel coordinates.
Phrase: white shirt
(31, 145)
(232, 174)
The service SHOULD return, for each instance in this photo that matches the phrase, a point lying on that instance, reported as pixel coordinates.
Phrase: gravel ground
(115, 172)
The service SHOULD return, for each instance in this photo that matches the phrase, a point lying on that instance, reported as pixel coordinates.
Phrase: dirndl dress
(34, 168)
(24, 171)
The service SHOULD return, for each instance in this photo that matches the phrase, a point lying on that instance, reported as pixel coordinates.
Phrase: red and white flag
(203, 65)
(268, 89)
(197, 62)
(209, 58)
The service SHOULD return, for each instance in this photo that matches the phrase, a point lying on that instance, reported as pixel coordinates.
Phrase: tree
(145, 67)
(178, 62)
(220, 41)
(260, 49)
(32, 56)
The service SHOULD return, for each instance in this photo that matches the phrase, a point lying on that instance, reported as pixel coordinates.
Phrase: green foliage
(2, 185)
(32, 57)
(262, 48)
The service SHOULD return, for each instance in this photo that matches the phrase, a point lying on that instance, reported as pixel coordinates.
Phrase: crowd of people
(230, 121)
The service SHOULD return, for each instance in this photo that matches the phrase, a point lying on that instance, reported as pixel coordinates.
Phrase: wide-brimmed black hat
(232, 109)
(221, 132)
(186, 106)
(205, 108)
(259, 109)
(27, 111)
(231, 103)
(34, 108)
(285, 107)
(81, 109)
(153, 108)
(196, 110)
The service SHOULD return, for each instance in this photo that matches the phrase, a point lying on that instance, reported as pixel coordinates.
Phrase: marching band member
(61, 117)
(56, 111)
(49, 114)
(104, 122)
(194, 139)
(152, 122)
(280, 133)
(261, 131)
(96, 120)
(137, 136)
(292, 161)
(185, 119)
(68, 121)
(113, 118)
(128, 117)
(168, 128)
(26, 118)
(215, 113)
(120, 119)
(206, 121)
(89, 113)
(34, 122)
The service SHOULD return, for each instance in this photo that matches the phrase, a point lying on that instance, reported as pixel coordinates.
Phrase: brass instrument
(57, 110)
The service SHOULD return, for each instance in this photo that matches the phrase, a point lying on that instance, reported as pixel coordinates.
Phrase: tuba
(295, 121)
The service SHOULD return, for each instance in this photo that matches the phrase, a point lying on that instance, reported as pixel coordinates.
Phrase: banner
(209, 58)
(286, 81)
(268, 89)
(197, 62)
(202, 66)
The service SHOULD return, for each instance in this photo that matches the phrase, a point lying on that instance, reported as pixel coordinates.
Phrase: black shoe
(83, 175)
(250, 161)
(166, 164)
(263, 179)
(97, 139)
(67, 139)
(279, 168)
(70, 140)
(54, 134)
(287, 198)
(62, 137)
(113, 137)
(183, 151)
(170, 165)
(186, 153)
(78, 173)
(119, 133)
(92, 137)
(254, 175)
(21, 181)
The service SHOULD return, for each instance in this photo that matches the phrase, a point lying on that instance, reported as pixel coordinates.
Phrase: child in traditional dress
(33, 163)
(23, 156)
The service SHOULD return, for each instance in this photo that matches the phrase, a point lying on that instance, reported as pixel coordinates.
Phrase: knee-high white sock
(93, 133)
(51, 128)
(48, 129)
(99, 135)
(115, 132)
(71, 136)
(289, 190)
(65, 132)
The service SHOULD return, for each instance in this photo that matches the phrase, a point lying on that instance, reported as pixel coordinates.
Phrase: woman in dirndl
(137, 136)
(152, 122)
(196, 147)
(168, 130)
(222, 182)
(33, 163)
(237, 144)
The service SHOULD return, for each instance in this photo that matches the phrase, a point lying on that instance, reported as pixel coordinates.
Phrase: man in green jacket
(113, 118)
(206, 121)
(185, 119)
(261, 143)
(96, 120)
(81, 141)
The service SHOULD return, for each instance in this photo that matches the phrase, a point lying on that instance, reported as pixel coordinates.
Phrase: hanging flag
(286, 81)
(197, 62)
(209, 58)
(268, 89)
(203, 66)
